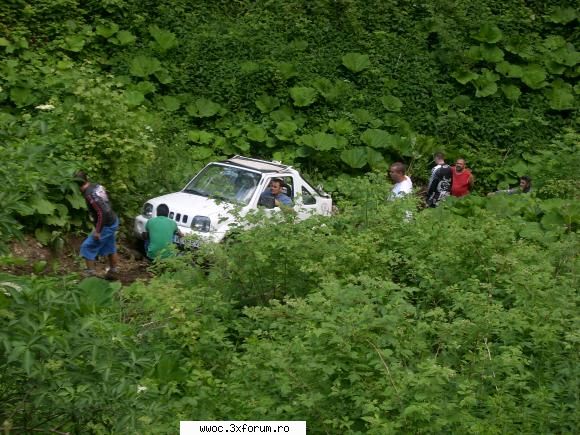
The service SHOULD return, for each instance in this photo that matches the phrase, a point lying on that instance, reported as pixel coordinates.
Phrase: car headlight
(148, 210)
(201, 224)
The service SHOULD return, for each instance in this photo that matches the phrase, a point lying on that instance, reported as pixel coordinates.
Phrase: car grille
(178, 217)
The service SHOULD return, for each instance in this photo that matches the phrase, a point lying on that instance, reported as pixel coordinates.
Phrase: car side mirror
(321, 191)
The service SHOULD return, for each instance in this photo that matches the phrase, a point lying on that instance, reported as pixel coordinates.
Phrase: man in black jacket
(440, 182)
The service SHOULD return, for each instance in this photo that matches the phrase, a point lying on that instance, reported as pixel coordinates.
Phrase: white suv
(220, 193)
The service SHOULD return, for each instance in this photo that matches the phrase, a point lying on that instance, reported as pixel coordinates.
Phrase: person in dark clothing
(440, 181)
(102, 241)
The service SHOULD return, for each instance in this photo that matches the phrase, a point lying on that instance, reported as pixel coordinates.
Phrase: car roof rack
(258, 165)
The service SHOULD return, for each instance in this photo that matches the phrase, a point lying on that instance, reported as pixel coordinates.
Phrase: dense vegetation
(459, 321)
(141, 94)
(462, 319)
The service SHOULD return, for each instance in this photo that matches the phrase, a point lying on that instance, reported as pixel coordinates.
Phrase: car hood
(193, 205)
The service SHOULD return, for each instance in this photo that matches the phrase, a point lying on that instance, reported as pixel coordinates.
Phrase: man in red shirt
(462, 179)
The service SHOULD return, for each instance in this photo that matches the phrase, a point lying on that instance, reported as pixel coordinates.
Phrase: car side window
(288, 188)
(307, 197)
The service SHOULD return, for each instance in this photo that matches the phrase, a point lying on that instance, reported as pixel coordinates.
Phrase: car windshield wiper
(196, 192)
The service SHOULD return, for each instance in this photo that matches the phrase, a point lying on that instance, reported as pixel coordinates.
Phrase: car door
(307, 201)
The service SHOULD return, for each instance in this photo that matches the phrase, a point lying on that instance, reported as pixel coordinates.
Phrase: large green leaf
(42, 205)
(487, 52)
(203, 108)
(511, 92)
(362, 116)
(201, 152)
(145, 87)
(555, 67)
(486, 84)
(60, 218)
(165, 39)
(21, 96)
(521, 46)
(561, 96)
(553, 42)
(163, 76)
(474, 52)
(242, 144)
(107, 31)
(520, 168)
(355, 157)
(374, 158)
(287, 70)
(322, 85)
(566, 55)
(284, 113)
(331, 91)
(257, 133)
(323, 141)
(532, 231)
(509, 70)
(75, 43)
(534, 76)
(43, 235)
(464, 76)
(170, 103)
(462, 101)
(341, 126)
(286, 130)
(356, 62)
(491, 53)
(303, 96)
(266, 103)
(489, 33)
(125, 37)
(376, 138)
(76, 200)
(143, 66)
(97, 293)
(134, 98)
(563, 15)
(200, 136)
(391, 103)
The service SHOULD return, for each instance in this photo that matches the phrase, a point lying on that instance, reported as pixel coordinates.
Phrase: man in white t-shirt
(403, 184)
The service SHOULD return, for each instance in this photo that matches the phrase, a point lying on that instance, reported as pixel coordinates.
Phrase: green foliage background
(461, 320)
(144, 93)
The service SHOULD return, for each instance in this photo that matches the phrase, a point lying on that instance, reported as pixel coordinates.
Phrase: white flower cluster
(45, 107)
(141, 389)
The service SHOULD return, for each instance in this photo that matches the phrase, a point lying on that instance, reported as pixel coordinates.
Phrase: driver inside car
(274, 197)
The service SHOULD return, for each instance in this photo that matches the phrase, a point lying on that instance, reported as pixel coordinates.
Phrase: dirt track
(30, 257)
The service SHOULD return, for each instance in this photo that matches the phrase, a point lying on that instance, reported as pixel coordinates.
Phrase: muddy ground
(30, 257)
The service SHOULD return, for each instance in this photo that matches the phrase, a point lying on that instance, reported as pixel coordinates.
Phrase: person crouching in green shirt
(159, 234)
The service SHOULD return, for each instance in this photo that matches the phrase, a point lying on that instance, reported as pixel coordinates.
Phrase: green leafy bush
(357, 323)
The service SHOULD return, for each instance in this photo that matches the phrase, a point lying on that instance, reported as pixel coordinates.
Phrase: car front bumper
(190, 237)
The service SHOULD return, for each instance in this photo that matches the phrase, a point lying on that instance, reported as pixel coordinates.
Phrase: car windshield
(226, 183)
